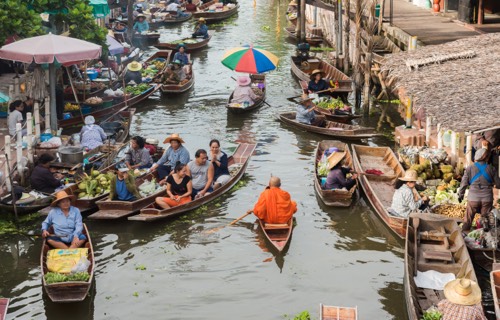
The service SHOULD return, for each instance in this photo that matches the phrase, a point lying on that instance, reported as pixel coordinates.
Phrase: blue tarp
(114, 46)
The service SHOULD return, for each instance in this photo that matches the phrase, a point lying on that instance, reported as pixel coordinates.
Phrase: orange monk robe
(275, 206)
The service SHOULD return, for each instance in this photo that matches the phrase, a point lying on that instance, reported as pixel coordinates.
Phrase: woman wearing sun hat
(174, 154)
(243, 92)
(181, 55)
(337, 177)
(406, 199)
(66, 221)
(133, 72)
(305, 112)
(317, 83)
(201, 29)
(463, 301)
(141, 25)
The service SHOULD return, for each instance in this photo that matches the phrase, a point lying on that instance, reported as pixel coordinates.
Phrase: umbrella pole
(53, 111)
(74, 92)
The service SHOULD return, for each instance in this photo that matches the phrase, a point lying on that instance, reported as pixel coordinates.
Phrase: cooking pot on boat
(72, 155)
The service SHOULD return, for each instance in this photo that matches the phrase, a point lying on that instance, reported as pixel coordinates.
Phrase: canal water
(174, 270)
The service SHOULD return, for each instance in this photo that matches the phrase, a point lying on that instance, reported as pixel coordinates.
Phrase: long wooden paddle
(229, 224)
(321, 91)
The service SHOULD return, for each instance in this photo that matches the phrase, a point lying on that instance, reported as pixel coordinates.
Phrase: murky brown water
(337, 256)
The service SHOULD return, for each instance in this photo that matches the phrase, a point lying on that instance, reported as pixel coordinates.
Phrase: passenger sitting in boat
(42, 179)
(243, 92)
(177, 8)
(133, 72)
(16, 116)
(463, 301)
(175, 153)
(122, 186)
(138, 157)
(218, 158)
(337, 177)
(91, 134)
(141, 25)
(201, 29)
(201, 172)
(292, 7)
(305, 112)
(66, 222)
(274, 204)
(190, 7)
(179, 188)
(119, 27)
(169, 76)
(181, 55)
(406, 198)
(317, 83)
(179, 71)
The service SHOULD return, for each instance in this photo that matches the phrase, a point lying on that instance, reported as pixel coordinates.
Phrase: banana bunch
(71, 107)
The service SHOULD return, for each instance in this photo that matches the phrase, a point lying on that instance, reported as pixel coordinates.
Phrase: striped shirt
(139, 156)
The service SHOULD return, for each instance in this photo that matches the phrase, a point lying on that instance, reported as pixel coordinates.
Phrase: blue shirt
(171, 156)
(182, 57)
(64, 227)
(202, 31)
(304, 116)
(122, 192)
(141, 26)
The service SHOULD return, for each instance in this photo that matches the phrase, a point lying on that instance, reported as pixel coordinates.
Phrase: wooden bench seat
(445, 256)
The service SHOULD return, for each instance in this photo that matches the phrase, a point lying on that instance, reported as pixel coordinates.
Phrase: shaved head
(275, 182)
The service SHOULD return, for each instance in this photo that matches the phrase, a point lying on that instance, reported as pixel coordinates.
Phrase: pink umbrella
(47, 49)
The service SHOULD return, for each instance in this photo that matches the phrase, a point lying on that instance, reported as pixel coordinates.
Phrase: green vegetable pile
(331, 104)
(138, 89)
(94, 184)
(149, 187)
(54, 277)
(432, 314)
(187, 40)
(323, 168)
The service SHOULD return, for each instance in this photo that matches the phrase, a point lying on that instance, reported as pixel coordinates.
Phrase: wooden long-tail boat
(278, 235)
(256, 79)
(239, 161)
(26, 206)
(72, 291)
(432, 243)
(180, 88)
(214, 16)
(147, 39)
(116, 209)
(189, 45)
(331, 129)
(337, 313)
(379, 189)
(331, 116)
(312, 39)
(495, 290)
(173, 19)
(4, 305)
(335, 197)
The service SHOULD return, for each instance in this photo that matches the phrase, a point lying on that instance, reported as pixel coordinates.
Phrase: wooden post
(480, 12)
(302, 30)
(409, 114)
(347, 35)
(440, 137)
(47, 113)
(16, 86)
(339, 35)
(36, 110)
(19, 148)
(8, 155)
(29, 122)
(11, 92)
(453, 147)
(428, 124)
(381, 17)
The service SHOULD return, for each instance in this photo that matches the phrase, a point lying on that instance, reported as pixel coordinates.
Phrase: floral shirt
(452, 311)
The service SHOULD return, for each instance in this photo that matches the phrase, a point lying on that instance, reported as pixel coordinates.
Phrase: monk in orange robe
(274, 205)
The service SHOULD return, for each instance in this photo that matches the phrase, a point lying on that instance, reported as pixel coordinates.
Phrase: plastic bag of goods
(118, 93)
(63, 260)
(109, 93)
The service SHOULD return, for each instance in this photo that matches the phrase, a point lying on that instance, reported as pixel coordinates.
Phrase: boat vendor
(42, 179)
(141, 25)
(122, 186)
(201, 172)
(138, 157)
(317, 83)
(190, 7)
(175, 153)
(133, 72)
(16, 116)
(181, 55)
(178, 9)
(406, 198)
(337, 177)
(463, 301)
(179, 71)
(274, 205)
(243, 93)
(480, 178)
(201, 29)
(92, 135)
(66, 220)
(305, 112)
(169, 76)
(179, 188)
(219, 160)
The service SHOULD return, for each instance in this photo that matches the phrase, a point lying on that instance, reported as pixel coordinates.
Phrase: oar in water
(229, 224)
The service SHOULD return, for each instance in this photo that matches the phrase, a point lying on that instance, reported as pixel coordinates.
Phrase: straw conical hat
(335, 158)
(462, 291)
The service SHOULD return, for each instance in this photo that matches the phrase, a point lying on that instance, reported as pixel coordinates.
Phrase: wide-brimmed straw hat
(410, 176)
(315, 72)
(293, 3)
(140, 15)
(304, 98)
(462, 291)
(201, 20)
(60, 196)
(134, 66)
(174, 136)
(335, 158)
(243, 81)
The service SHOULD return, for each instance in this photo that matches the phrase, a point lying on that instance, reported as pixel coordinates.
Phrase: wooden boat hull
(431, 254)
(277, 235)
(114, 209)
(4, 306)
(333, 198)
(189, 47)
(334, 313)
(172, 21)
(255, 78)
(241, 156)
(68, 291)
(379, 189)
(333, 129)
(495, 290)
(336, 117)
(310, 38)
(147, 39)
(27, 209)
(216, 16)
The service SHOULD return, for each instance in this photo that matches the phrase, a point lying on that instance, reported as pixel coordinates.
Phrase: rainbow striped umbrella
(249, 59)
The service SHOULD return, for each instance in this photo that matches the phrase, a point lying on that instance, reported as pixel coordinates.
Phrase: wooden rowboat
(4, 305)
(239, 160)
(380, 189)
(189, 47)
(342, 118)
(180, 88)
(214, 16)
(145, 40)
(495, 290)
(172, 19)
(278, 235)
(256, 78)
(72, 291)
(312, 39)
(24, 207)
(332, 129)
(115, 209)
(335, 197)
(432, 243)
(337, 313)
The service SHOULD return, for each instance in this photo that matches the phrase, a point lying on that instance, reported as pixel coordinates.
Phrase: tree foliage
(17, 19)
